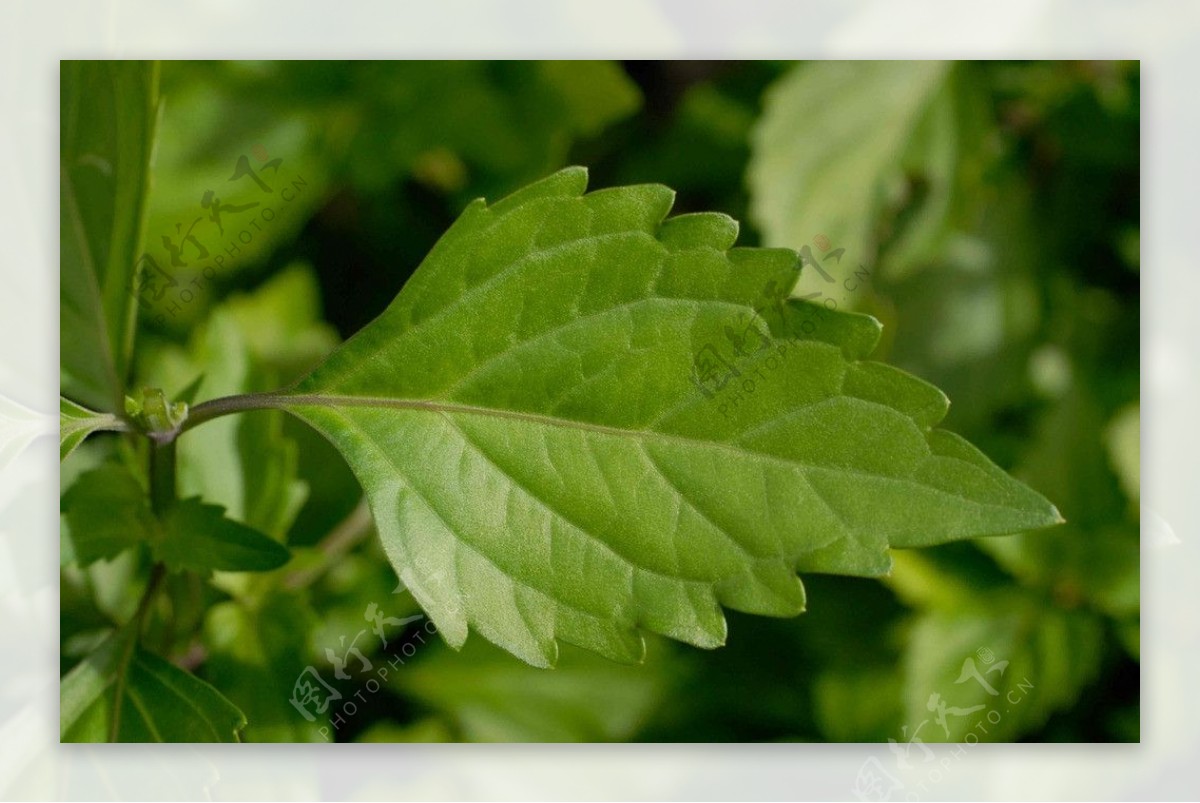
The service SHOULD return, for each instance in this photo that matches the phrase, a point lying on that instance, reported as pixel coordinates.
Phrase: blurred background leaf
(485, 696)
(109, 111)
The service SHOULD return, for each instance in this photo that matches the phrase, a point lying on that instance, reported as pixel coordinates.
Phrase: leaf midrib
(107, 421)
(284, 401)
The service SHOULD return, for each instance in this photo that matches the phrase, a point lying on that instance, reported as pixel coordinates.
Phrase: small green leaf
(151, 411)
(544, 460)
(108, 117)
(198, 537)
(159, 701)
(106, 511)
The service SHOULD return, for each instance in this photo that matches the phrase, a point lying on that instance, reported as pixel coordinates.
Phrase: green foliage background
(989, 216)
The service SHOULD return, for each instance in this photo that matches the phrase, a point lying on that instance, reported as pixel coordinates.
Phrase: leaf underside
(542, 464)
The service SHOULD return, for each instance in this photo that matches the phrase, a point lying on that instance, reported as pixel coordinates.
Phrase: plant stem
(162, 497)
(162, 476)
(214, 408)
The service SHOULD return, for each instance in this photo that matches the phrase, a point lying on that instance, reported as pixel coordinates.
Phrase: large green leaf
(159, 701)
(109, 110)
(543, 461)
